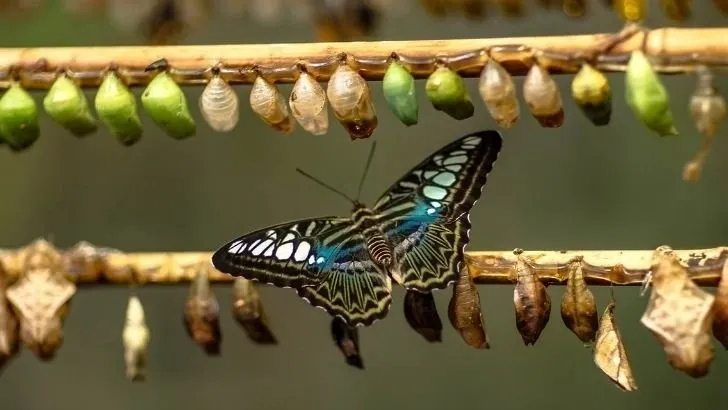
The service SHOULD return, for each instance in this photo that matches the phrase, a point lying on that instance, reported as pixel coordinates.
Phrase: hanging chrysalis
(498, 92)
(543, 97)
(420, 312)
(351, 99)
(720, 308)
(677, 10)
(708, 110)
(165, 103)
(609, 352)
(680, 315)
(269, 104)
(347, 340)
(578, 308)
(448, 93)
(464, 312)
(531, 300)
(647, 97)
(9, 326)
(574, 8)
(510, 8)
(248, 312)
(117, 109)
(591, 92)
(308, 105)
(633, 11)
(66, 104)
(219, 105)
(18, 118)
(202, 314)
(398, 86)
(135, 337)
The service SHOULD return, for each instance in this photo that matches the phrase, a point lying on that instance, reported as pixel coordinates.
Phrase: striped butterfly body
(415, 235)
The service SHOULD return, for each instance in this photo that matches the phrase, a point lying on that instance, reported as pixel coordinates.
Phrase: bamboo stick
(86, 264)
(676, 50)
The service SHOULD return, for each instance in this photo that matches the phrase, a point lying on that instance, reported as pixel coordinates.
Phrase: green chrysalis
(447, 93)
(165, 103)
(647, 97)
(399, 92)
(67, 106)
(117, 109)
(18, 118)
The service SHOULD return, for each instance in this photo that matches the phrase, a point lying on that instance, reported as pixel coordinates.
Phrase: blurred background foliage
(576, 187)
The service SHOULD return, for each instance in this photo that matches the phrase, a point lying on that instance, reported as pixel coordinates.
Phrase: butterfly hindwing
(426, 214)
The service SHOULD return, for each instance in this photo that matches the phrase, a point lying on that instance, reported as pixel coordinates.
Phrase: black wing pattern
(426, 214)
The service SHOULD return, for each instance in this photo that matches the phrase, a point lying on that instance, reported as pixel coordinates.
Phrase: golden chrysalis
(202, 314)
(631, 10)
(351, 99)
(420, 312)
(268, 103)
(543, 97)
(135, 337)
(578, 307)
(464, 312)
(531, 301)
(308, 104)
(498, 92)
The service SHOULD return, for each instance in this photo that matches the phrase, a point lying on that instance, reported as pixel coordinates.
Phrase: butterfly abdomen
(379, 249)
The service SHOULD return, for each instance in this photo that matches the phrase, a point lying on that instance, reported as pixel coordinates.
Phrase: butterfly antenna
(323, 184)
(366, 170)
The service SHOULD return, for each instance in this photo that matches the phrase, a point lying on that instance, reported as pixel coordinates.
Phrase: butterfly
(415, 235)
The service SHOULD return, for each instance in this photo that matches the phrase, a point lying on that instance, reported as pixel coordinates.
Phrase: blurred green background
(576, 187)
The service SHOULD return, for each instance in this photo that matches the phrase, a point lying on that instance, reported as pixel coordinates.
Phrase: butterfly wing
(426, 214)
(325, 259)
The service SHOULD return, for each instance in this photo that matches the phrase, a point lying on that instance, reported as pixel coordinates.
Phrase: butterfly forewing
(426, 214)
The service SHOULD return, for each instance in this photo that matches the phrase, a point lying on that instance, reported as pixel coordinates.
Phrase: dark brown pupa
(532, 302)
(420, 312)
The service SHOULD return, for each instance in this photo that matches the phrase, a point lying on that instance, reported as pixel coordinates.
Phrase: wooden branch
(676, 50)
(86, 264)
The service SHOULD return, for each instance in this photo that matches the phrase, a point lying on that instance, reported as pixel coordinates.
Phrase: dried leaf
(420, 312)
(248, 312)
(720, 308)
(9, 326)
(609, 353)
(465, 314)
(578, 308)
(135, 338)
(679, 315)
(202, 314)
(347, 340)
(532, 303)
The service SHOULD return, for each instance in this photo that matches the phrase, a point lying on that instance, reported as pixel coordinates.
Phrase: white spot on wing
(261, 247)
(302, 251)
(284, 251)
(430, 174)
(236, 247)
(454, 168)
(457, 159)
(434, 192)
(444, 178)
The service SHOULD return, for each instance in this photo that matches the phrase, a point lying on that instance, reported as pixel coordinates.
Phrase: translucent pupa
(202, 314)
(351, 100)
(219, 105)
(67, 105)
(135, 337)
(268, 103)
(498, 92)
(543, 97)
(308, 104)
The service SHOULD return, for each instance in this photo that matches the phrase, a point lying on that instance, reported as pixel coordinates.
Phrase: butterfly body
(415, 234)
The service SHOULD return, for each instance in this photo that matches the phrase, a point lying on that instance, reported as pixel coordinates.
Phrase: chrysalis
(9, 326)
(708, 109)
(647, 97)
(448, 93)
(269, 104)
(578, 308)
(631, 10)
(398, 86)
(465, 314)
(680, 315)
(351, 100)
(532, 303)
(18, 118)
(347, 340)
(677, 10)
(135, 337)
(308, 105)
(202, 314)
(720, 308)
(165, 103)
(543, 98)
(219, 105)
(591, 92)
(609, 352)
(117, 109)
(420, 312)
(248, 312)
(498, 92)
(67, 105)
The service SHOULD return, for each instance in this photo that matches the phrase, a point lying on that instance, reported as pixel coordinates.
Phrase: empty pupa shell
(677, 10)
(117, 109)
(135, 337)
(351, 99)
(631, 10)
(647, 97)
(398, 86)
(219, 105)
(66, 104)
(248, 312)
(308, 105)
(347, 340)
(464, 312)
(707, 106)
(9, 326)
(591, 92)
(447, 92)
(720, 309)
(202, 314)
(420, 312)
(543, 97)
(578, 307)
(609, 352)
(18, 118)
(498, 92)
(165, 103)
(269, 104)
